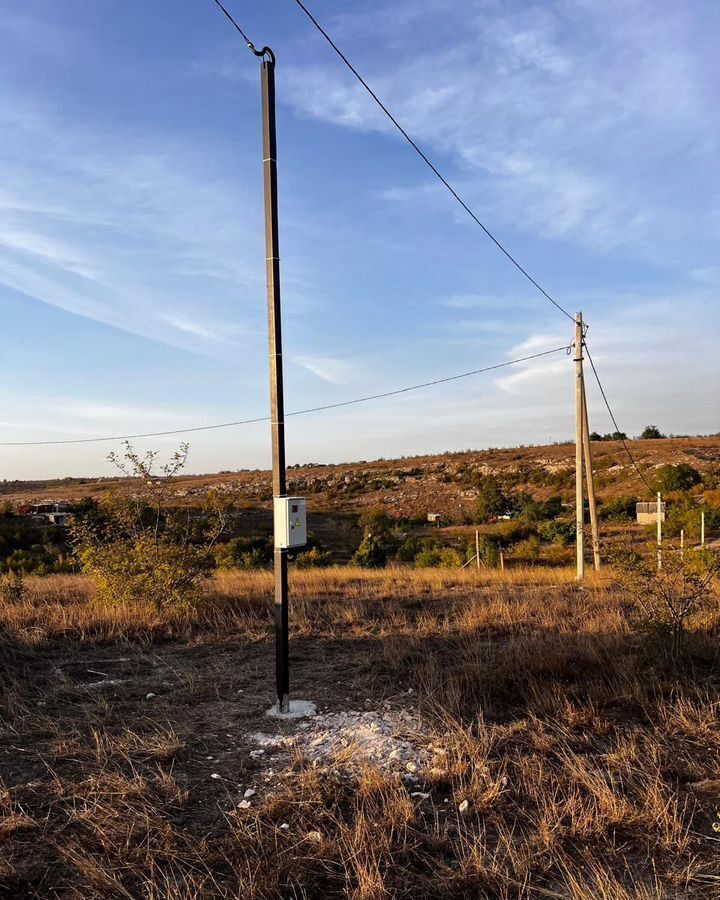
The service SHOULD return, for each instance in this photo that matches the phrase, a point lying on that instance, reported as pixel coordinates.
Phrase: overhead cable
(251, 46)
(428, 162)
(299, 412)
(614, 420)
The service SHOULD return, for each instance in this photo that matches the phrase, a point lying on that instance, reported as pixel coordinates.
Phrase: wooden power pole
(277, 405)
(579, 513)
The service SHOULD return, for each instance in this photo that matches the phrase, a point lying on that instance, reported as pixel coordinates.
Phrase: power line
(427, 161)
(614, 420)
(299, 412)
(242, 34)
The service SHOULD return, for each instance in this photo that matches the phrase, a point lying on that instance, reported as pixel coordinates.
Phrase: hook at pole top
(265, 54)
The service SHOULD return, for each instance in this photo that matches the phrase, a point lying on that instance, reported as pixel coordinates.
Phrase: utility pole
(659, 530)
(579, 517)
(702, 528)
(477, 547)
(277, 405)
(682, 543)
(590, 476)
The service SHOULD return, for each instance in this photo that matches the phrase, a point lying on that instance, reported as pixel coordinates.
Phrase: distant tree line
(649, 433)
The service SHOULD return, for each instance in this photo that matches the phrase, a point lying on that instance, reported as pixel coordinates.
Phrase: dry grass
(590, 766)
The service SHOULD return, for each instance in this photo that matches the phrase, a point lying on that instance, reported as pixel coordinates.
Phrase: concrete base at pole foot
(299, 709)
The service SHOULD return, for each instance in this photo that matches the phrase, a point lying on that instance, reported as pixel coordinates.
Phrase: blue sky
(132, 293)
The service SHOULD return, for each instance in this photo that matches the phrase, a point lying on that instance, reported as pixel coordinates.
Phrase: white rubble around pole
(392, 740)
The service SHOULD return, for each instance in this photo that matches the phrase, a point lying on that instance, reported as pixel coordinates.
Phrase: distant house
(646, 512)
(55, 513)
(436, 518)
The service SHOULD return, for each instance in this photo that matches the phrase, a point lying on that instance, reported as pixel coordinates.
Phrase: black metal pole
(277, 406)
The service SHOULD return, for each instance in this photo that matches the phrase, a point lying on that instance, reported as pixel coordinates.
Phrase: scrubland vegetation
(573, 730)
(587, 749)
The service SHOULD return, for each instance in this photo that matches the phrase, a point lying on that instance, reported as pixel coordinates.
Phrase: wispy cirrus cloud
(114, 226)
(564, 118)
(333, 369)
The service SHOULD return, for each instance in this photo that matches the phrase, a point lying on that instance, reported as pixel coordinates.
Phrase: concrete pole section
(277, 404)
(590, 477)
(579, 516)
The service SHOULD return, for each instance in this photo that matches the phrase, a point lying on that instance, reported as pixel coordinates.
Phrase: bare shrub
(666, 599)
(139, 549)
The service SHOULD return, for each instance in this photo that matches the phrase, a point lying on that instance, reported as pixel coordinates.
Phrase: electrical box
(290, 522)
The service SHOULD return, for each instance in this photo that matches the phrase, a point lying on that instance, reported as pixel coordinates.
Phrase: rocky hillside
(412, 487)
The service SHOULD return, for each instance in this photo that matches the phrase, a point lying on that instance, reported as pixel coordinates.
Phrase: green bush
(408, 550)
(557, 532)
(681, 477)
(618, 509)
(314, 559)
(244, 553)
(527, 550)
(438, 557)
(685, 515)
(537, 510)
(509, 533)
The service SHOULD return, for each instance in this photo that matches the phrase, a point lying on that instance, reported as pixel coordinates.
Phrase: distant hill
(411, 487)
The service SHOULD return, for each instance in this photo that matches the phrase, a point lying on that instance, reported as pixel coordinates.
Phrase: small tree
(491, 500)
(380, 539)
(137, 548)
(651, 433)
(372, 552)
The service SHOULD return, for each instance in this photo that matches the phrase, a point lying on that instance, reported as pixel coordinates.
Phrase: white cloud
(334, 370)
(113, 226)
(48, 250)
(567, 119)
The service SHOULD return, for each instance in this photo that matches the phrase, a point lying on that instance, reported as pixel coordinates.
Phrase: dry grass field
(560, 753)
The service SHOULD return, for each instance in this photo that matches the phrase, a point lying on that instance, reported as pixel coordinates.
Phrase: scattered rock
(150, 695)
(250, 792)
(387, 738)
(464, 807)
(216, 776)
(244, 804)
(284, 826)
